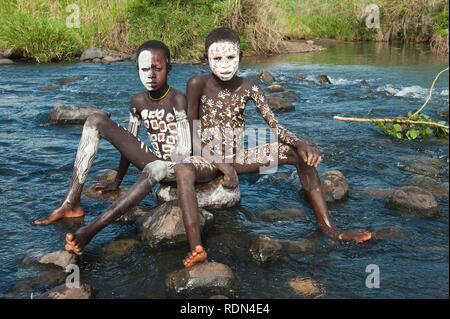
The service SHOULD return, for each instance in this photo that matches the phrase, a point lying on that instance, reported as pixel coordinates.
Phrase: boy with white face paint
(218, 102)
(162, 110)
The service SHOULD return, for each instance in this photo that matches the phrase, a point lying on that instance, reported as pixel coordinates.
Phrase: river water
(36, 161)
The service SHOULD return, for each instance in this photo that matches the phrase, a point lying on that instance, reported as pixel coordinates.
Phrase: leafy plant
(414, 131)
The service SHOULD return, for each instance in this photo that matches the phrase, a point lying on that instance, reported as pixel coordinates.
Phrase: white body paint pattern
(87, 149)
(223, 58)
(183, 138)
(145, 62)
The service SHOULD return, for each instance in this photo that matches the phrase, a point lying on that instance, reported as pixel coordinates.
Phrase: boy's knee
(97, 119)
(185, 172)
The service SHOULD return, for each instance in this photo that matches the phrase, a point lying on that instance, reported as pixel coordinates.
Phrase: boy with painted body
(218, 101)
(162, 109)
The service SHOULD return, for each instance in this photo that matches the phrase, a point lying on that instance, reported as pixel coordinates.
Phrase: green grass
(37, 28)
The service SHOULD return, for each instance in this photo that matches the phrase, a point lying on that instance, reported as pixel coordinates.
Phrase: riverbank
(45, 31)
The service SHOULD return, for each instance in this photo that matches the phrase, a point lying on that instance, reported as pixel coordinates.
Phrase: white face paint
(223, 58)
(146, 75)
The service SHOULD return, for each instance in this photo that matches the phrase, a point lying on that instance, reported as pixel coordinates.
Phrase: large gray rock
(278, 104)
(71, 114)
(5, 61)
(63, 292)
(413, 201)
(334, 185)
(206, 276)
(59, 258)
(91, 54)
(210, 195)
(265, 249)
(163, 225)
(429, 184)
(266, 77)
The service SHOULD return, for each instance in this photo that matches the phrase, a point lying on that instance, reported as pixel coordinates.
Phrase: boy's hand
(309, 155)
(105, 186)
(230, 178)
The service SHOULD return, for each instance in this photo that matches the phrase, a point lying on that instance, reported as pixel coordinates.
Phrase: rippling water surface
(36, 161)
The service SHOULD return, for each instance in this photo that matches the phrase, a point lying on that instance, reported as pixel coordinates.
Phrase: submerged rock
(277, 103)
(5, 61)
(163, 225)
(388, 233)
(265, 249)
(307, 287)
(334, 185)
(71, 79)
(50, 88)
(374, 192)
(266, 77)
(71, 114)
(118, 248)
(300, 76)
(91, 54)
(210, 195)
(133, 215)
(275, 88)
(209, 275)
(63, 292)
(413, 200)
(280, 215)
(109, 196)
(304, 245)
(290, 95)
(322, 79)
(429, 184)
(59, 258)
(423, 166)
(339, 94)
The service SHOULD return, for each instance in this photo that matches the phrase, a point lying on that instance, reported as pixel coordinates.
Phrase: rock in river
(413, 200)
(265, 249)
(63, 292)
(334, 185)
(163, 225)
(71, 114)
(209, 275)
(210, 195)
(266, 77)
(59, 258)
(277, 103)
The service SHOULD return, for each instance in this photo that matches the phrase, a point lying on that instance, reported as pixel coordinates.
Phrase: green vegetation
(413, 131)
(38, 29)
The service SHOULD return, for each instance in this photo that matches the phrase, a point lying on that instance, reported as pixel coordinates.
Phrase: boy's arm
(308, 154)
(183, 146)
(194, 91)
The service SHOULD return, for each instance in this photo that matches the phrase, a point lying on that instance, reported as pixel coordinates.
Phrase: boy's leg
(97, 126)
(254, 161)
(187, 174)
(153, 173)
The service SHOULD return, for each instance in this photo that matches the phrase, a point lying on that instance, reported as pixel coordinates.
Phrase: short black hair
(221, 34)
(154, 44)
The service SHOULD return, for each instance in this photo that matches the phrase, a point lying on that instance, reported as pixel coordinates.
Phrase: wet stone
(50, 88)
(322, 79)
(429, 184)
(266, 77)
(388, 233)
(339, 94)
(265, 249)
(208, 275)
(71, 114)
(63, 292)
(300, 76)
(307, 287)
(290, 95)
(59, 258)
(280, 215)
(279, 104)
(5, 61)
(71, 79)
(163, 225)
(275, 88)
(210, 195)
(133, 215)
(304, 245)
(334, 185)
(118, 248)
(110, 196)
(426, 166)
(413, 200)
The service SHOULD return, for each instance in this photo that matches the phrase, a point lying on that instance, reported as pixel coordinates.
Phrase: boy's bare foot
(76, 242)
(198, 255)
(64, 211)
(357, 235)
